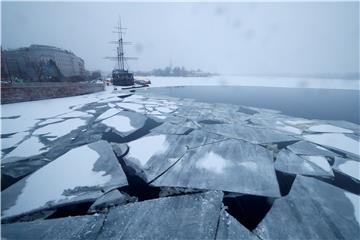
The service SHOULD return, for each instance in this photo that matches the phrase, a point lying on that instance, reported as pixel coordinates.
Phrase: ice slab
(327, 128)
(251, 134)
(193, 216)
(80, 227)
(308, 148)
(169, 128)
(230, 165)
(60, 129)
(30, 147)
(108, 113)
(348, 167)
(13, 140)
(287, 161)
(125, 122)
(132, 106)
(312, 210)
(155, 153)
(337, 141)
(78, 175)
(109, 199)
(321, 162)
(229, 228)
(74, 114)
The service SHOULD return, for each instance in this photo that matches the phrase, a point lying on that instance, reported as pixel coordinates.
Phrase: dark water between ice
(325, 104)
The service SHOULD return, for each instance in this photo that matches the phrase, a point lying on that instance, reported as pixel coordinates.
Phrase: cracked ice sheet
(193, 216)
(337, 141)
(308, 148)
(79, 227)
(321, 162)
(108, 113)
(230, 165)
(30, 147)
(13, 140)
(155, 153)
(60, 129)
(348, 167)
(132, 106)
(76, 176)
(126, 122)
(169, 128)
(312, 210)
(74, 114)
(229, 228)
(257, 135)
(327, 128)
(288, 162)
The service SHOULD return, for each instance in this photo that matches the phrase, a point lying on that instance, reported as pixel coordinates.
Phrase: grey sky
(244, 38)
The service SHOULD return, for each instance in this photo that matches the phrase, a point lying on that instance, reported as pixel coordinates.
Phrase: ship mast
(120, 55)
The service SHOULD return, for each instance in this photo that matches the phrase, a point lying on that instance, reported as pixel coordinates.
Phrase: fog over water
(305, 38)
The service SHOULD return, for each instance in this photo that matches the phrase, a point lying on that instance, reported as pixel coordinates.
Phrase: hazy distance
(236, 38)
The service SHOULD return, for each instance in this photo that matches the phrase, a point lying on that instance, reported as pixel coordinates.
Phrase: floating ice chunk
(169, 128)
(193, 216)
(327, 128)
(74, 114)
(21, 124)
(155, 153)
(111, 105)
(60, 129)
(298, 121)
(288, 162)
(229, 228)
(88, 169)
(108, 113)
(92, 111)
(312, 210)
(308, 148)
(110, 199)
(230, 165)
(337, 141)
(321, 162)
(355, 201)
(289, 129)
(256, 135)
(125, 122)
(29, 147)
(78, 227)
(348, 167)
(132, 106)
(12, 140)
(166, 109)
(50, 121)
(146, 147)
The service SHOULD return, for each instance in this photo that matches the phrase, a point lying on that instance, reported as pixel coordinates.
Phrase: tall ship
(120, 75)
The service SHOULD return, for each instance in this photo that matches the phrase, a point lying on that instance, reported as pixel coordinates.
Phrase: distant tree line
(175, 72)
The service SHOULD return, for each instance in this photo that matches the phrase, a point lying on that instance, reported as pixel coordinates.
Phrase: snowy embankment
(353, 84)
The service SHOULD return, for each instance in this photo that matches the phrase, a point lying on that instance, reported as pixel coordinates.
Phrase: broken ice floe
(125, 122)
(230, 165)
(12, 140)
(287, 161)
(312, 210)
(348, 166)
(327, 128)
(229, 228)
(30, 147)
(193, 216)
(308, 148)
(58, 130)
(110, 199)
(337, 141)
(108, 113)
(155, 153)
(80, 227)
(79, 175)
(251, 134)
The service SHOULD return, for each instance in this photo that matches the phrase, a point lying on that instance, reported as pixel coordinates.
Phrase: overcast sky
(235, 38)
